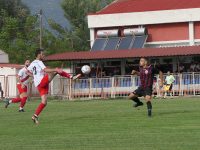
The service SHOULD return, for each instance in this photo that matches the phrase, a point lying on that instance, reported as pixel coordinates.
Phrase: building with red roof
(166, 31)
(168, 22)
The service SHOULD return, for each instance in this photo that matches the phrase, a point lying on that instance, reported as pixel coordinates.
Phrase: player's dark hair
(27, 59)
(145, 58)
(38, 51)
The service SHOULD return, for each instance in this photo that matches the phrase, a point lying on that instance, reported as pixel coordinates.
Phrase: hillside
(51, 8)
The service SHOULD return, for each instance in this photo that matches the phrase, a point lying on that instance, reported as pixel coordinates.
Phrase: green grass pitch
(103, 125)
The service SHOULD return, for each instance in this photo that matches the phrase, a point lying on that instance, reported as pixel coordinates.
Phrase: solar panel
(125, 42)
(99, 44)
(112, 43)
(139, 41)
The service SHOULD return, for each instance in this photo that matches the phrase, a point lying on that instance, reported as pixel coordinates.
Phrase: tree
(76, 12)
(18, 30)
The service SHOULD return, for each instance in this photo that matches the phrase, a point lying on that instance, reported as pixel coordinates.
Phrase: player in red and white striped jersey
(22, 78)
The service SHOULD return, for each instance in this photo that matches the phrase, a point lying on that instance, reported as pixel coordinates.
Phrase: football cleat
(138, 104)
(21, 110)
(76, 77)
(7, 103)
(35, 119)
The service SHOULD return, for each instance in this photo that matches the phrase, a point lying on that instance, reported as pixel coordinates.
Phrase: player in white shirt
(22, 78)
(42, 77)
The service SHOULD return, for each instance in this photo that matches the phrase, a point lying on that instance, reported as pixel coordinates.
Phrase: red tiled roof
(134, 53)
(18, 66)
(126, 6)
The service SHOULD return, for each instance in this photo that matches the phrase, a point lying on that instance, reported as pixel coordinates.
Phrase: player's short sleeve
(30, 68)
(20, 73)
(41, 64)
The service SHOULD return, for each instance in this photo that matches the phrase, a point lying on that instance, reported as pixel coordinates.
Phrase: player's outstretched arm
(18, 79)
(22, 80)
(134, 72)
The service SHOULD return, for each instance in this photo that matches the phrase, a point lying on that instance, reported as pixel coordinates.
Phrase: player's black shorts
(143, 91)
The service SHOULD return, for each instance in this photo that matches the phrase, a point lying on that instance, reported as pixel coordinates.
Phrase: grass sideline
(103, 125)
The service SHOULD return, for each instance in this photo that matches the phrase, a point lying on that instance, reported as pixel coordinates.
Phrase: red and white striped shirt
(23, 76)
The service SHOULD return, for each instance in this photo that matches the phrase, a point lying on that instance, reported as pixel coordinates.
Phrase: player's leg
(165, 91)
(165, 94)
(64, 74)
(155, 92)
(23, 97)
(41, 105)
(148, 98)
(161, 91)
(149, 104)
(39, 109)
(134, 97)
(43, 89)
(67, 75)
(170, 91)
(51, 76)
(2, 94)
(14, 100)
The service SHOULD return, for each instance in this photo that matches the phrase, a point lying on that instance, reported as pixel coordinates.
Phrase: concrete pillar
(92, 37)
(72, 68)
(123, 64)
(191, 33)
(175, 63)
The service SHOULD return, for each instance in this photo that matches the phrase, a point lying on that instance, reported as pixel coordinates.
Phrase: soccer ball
(86, 69)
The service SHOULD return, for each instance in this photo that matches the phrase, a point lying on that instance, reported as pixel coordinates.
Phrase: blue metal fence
(187, 83)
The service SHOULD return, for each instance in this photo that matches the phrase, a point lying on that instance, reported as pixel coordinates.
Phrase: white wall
(8, 75)
(143, 18)
(8, 71)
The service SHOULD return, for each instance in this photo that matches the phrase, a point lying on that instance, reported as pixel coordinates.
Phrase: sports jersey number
(34, 70)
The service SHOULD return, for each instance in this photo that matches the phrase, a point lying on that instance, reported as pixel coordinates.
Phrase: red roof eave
(128, 6)
(17, 66)
(134, 53)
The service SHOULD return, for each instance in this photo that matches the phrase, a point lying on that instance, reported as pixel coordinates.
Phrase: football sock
(15, 100)
(65, 74)
(39, 109)
(165, 95)
(149, 105)
(136, 99)
(23, 102)
(77, 76)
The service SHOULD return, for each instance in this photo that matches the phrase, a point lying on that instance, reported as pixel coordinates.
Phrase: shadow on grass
(175, 112)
